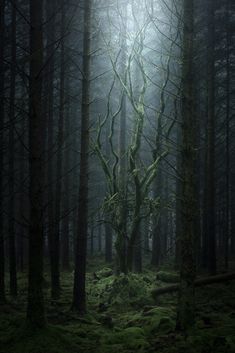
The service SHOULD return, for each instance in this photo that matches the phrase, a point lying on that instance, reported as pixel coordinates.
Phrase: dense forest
(117, 176)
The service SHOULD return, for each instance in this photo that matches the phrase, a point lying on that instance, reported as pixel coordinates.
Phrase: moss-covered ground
(121, 318)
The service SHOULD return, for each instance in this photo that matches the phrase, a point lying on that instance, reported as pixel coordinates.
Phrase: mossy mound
(159, 320)
(131, 339)
(103, 273)
(122, 291)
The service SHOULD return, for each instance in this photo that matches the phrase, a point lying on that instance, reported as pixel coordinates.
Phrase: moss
(24, 340)
(155, 321)
(168, 277)
(130, 323)
(122, 292)
(129, 339)
(103, 273)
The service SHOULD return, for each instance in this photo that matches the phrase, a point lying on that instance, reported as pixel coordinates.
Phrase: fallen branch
(198, 283)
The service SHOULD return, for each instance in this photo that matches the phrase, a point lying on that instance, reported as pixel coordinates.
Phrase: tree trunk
(55, 275)
(65, 241)
(2, 112)
(35, 310)
(108, 243)
(210, 234)
(178, 221)
(11, 206)
(122, 243)
(198, 283)
(79, 290)
(227, 220)
(50, 10)
(185, 314)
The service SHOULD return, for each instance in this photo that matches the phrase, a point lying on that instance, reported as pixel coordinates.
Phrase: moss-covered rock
(103, 273)
(155, 321)
(121, 292)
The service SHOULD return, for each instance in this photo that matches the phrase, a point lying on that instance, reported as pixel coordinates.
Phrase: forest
(117, 176)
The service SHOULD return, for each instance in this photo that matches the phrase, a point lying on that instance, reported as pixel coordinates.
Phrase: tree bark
(185, 314)
(79, 289)
(55, 275)
(209, 231)
(198, 283)
(2, 113)
(11, 206)
(35, 309)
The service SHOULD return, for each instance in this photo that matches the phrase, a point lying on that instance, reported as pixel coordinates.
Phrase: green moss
(155, 321)
(104, 272)
(129, 339)
(25, 340)
(122, 292)
(136, 324)
(168, 277)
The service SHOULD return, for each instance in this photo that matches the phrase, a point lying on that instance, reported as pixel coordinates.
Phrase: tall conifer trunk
(2, 112)
(11, 206)
(185, 317)
(35, 309)
(79, 289)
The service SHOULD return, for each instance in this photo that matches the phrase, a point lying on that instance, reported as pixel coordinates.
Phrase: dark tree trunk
(121, 241)
(209, 231)
(178, 203)
(79, 290)
(35, 310)
(51, 10)
(138, 253)
(227, 220)
(185, 314)
(65, 240)
(108, 243)
(55, 275)
(2, 111)
(156, 244)
(11, 206)
(99, 237)
(158, 193)
(108, 228)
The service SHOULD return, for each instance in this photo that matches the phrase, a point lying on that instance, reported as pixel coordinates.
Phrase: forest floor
(122, 318)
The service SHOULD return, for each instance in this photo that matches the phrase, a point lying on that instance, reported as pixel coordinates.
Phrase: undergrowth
(121, 317)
